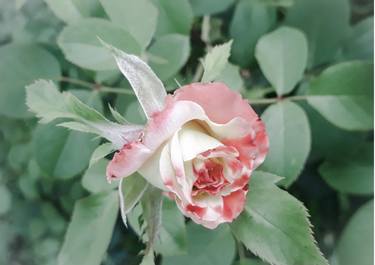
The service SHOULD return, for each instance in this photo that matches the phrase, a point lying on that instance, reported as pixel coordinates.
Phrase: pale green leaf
(100, 152)
(351, 171)
(282, 56)
(215, 61)
(251, 20)
(139, 18)
(145, 83)
(131, 190)
(81, 45)
(275, 225)
(343, 94)
(44, 99)
(208, 7)
(174, 49)
(174, 17)
(205, 247)
(118, 117)
(90, 230)
(20, 65)
(65, 10)
(231, 77)
(325, 24)
(356, 244)
(289, 135)
(94, 179)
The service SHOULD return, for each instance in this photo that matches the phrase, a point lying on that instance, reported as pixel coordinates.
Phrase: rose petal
(219, 102)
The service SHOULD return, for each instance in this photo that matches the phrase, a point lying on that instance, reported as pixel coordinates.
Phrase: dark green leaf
(325, 23)
(250, 21)
(274, 225)
(131, 190)
(360, 43)
(174, 17)
(289, 135)
(206, 247)
(343, 94)
(356, 245)
(351, 171)
(172, 239)
(90, 230)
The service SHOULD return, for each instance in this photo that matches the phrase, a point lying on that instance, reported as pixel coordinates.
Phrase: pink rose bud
(201, 148)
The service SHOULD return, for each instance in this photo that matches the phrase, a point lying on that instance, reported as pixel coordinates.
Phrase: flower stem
(267, 101)
(95, 86)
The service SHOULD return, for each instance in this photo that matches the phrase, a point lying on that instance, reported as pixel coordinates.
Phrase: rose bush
(201, 149)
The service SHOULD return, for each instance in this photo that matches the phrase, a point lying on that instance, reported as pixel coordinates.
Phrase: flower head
(200, 147)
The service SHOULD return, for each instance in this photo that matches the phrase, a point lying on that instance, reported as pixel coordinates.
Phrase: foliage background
(328, 165)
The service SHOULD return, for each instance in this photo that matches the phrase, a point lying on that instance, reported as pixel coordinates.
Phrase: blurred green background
(43, 168)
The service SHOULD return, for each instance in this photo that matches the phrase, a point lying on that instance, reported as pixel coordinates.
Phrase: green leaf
(360, 42)
(282, 56)
(325, 24)
(351, 171)
(60, 152)
(205, 247)
(100, 152)
(209, 7)
(251, 19)
(215, 61)
(81, 45)
(44, 99)
(231, 77)
(328, 140)
(289, 135)
(94, 180)
(65, 10)
(343, 94)
(5, 200)
(356, 244)
(131, 190)
(174, 49)
(21, 64)
(174, 17)
(90, 230)
(274, 225)
(172, 240)
(139, 18)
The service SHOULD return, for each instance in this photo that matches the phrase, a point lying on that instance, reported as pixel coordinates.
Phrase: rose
(201, 148)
